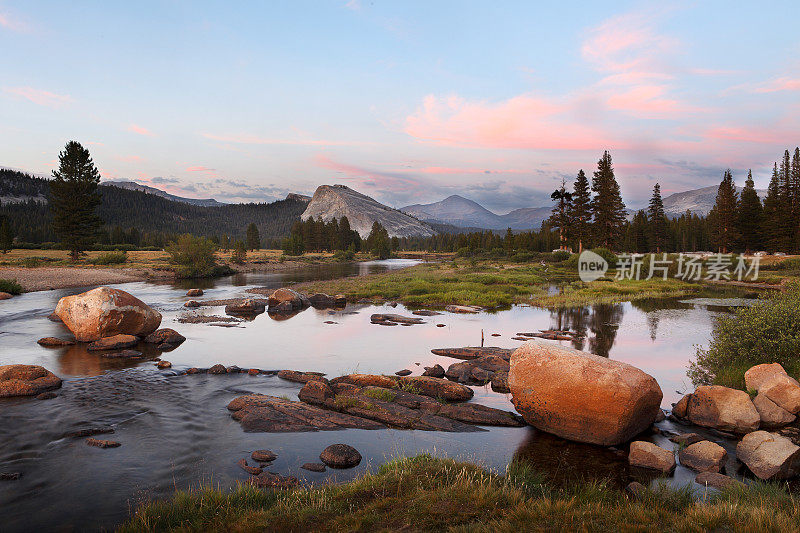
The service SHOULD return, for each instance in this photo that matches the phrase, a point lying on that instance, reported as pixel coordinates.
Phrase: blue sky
(408, 102)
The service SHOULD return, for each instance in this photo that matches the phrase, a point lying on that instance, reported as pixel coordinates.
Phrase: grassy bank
(426, 494)
(493, 283)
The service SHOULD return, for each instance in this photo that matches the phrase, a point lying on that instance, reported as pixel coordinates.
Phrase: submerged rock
(272, 480)
(474, 352)
(164, 364)
(122, 354)
(717, 480)
(115, 342)
(580, 396)
(104, 312)
(340, 456)
(425, 312)
(53, 342)
(314, 467)
(685, 439)
(722, 408)
(9, 476)
(165, 335)
(769, 455)
(471, 309)
(103, 443)
(379, 318)
(26, 380)
(647, 455)
(252, 470)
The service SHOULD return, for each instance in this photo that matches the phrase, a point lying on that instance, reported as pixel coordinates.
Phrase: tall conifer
(723, 215)
(74, 199)
(751, 216)
(657, 220)
(581, 211)
(608, 208)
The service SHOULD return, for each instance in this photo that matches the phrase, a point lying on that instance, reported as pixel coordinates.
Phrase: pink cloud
(200, 169)
(647, 101)
(12, 23)
(780, 84)
(367, 177)
(523, 122)
(139, 130)
(750, 135)
(129, 158)
(40, 97)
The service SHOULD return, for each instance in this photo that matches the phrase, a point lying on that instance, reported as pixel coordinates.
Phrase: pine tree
(724, 215)
(581, 211)
(74, 199)
(253, 238)
(795, 189)
(657, 220)
(239, 253)
(750, 216)
(378, 241)
(608, 208)
(6, 239)
(560, 217)
(771, 223)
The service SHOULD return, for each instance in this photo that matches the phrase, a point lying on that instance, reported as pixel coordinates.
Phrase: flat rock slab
(377, 318)
(103, 443)
(425, 312)
(114, 342)
(207, 319)
(263, 456)
(470, 309)
(301, 377)
(474, 352)
(261, 413)
(425, 385)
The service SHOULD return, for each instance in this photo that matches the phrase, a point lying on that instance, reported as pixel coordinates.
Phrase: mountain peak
(336, 201)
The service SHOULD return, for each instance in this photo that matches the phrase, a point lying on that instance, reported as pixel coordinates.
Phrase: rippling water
(177, 433)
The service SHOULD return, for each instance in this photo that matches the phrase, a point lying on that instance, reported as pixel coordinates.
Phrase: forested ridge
(153, 218)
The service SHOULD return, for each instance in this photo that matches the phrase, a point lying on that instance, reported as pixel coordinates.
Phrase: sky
(408, 102)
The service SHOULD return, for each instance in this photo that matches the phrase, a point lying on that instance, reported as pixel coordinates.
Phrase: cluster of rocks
(334, 456)
(280, 303)
(480, 366)
(368, 401)
(111, 321)
(548, 334)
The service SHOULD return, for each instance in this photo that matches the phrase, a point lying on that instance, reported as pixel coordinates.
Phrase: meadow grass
(496, 284)
(425, 493)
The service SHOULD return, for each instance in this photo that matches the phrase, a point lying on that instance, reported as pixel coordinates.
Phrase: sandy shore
(48, 278)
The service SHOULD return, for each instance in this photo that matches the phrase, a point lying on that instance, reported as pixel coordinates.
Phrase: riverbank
(426, 493)
(39, 270)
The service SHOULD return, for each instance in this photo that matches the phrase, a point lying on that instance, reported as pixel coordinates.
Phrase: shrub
(10, 286)
(464, 252)
(194, 257)
(561, 255)
(767, 332)
(524, 257)
(239, 253)
(608, 255)
(344, 255)
(111, 258)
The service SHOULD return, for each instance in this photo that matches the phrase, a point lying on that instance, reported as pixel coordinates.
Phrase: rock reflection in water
(77, 360)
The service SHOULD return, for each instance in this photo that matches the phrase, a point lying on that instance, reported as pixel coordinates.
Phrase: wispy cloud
(779, 84)
(40, 97)
(139, 130)
(200, 169)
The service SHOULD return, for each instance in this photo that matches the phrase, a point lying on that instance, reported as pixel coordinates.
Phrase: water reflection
(595, 326)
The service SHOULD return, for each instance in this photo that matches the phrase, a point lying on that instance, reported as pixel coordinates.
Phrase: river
(176, 432)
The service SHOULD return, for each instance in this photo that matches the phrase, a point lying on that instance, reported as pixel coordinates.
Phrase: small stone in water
(314, 467)
(252, 470)
(263, 456)
(9, 476)
(404, 372)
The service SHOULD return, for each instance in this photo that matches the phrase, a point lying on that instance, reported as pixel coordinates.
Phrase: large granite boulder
(580, 396)
(758, 374)
(704, 456)
(772, 415)
(26, 380)
(769, 455)
(287, 297)
(104, 312)
(722, 408)
(782, 390)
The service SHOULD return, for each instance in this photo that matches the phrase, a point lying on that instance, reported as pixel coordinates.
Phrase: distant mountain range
(462, 212)
(337, 201)
(133, 186)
